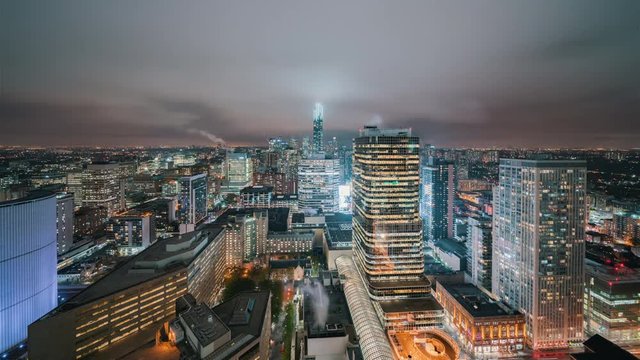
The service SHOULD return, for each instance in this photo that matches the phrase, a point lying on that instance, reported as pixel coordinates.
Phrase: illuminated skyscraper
(318, 132)
(238, 172)
(318, 182)
(438, 190)
(101, 186)
(387, 229)
(538, 246)
(192, 199)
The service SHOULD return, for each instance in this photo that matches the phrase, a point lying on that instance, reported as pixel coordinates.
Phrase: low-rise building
(290, 242)
(239, 328)
(484, 326)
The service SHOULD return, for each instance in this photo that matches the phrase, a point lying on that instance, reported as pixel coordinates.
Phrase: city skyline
(462, 75)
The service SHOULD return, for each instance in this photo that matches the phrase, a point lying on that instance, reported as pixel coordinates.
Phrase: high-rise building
(438, 190)
(306, 147)
(332, 147)
(192, 199)
(238, 172)
(538, 246)
(101, 186)
(387, 230)
(27, 264)
(288, 165)
(64, 222)
(318, 182)
(318, 131)
(74, 185)
(479, 246)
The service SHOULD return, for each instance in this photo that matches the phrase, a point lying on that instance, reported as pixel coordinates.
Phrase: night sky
(476, 73)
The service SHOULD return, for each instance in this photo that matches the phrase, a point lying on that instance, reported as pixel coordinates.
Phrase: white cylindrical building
(28, 287)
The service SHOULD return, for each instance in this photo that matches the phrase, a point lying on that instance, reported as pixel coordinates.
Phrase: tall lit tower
(538, 246)
(318, 134)
(387, 229)
(438, 190)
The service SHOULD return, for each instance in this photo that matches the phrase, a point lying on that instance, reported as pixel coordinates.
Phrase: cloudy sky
(474, 73)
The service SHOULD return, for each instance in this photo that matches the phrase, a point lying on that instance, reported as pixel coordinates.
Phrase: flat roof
(427, 303)
(543, 163)
(476, 302)
(143, 267)
(339, 235)
(204, 323)
(338, 317)
(31, 196)
(257, 189)
(237, 307)
(452, 246)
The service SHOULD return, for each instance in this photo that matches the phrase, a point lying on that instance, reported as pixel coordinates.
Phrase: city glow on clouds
(465, 73)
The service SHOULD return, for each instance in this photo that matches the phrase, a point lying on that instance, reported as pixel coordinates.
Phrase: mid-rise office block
(318, 181)
(245, 235)
(290, 242)
(27, 264)
(626, 228)
(256, 196)
(538, 247)
(128, 306)
(612, 303)
(238, 172)
(192, 199)
(276, 180)
(64, 222)
(484, 326)
(132, 231)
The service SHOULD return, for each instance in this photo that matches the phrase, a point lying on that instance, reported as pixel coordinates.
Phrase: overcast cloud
(476, 73)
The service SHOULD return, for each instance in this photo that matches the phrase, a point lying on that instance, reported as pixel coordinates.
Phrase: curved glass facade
(28, 287)
(373, 341)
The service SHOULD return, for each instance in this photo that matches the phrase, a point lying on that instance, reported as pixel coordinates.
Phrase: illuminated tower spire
(318, 135)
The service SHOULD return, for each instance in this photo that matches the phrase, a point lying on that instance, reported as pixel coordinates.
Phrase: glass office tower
(387, 229)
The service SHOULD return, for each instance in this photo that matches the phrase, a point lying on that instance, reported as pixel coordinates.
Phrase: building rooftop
(160, 258)
(244, 314)
(204, 323)
(599, 348)
(338, 317)
(452, 246)
(543, 163)
(31, 196)
(339, 235)
(375, 131)
(476, 302)
(427, 303)
(257, 189)
(338, 218)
